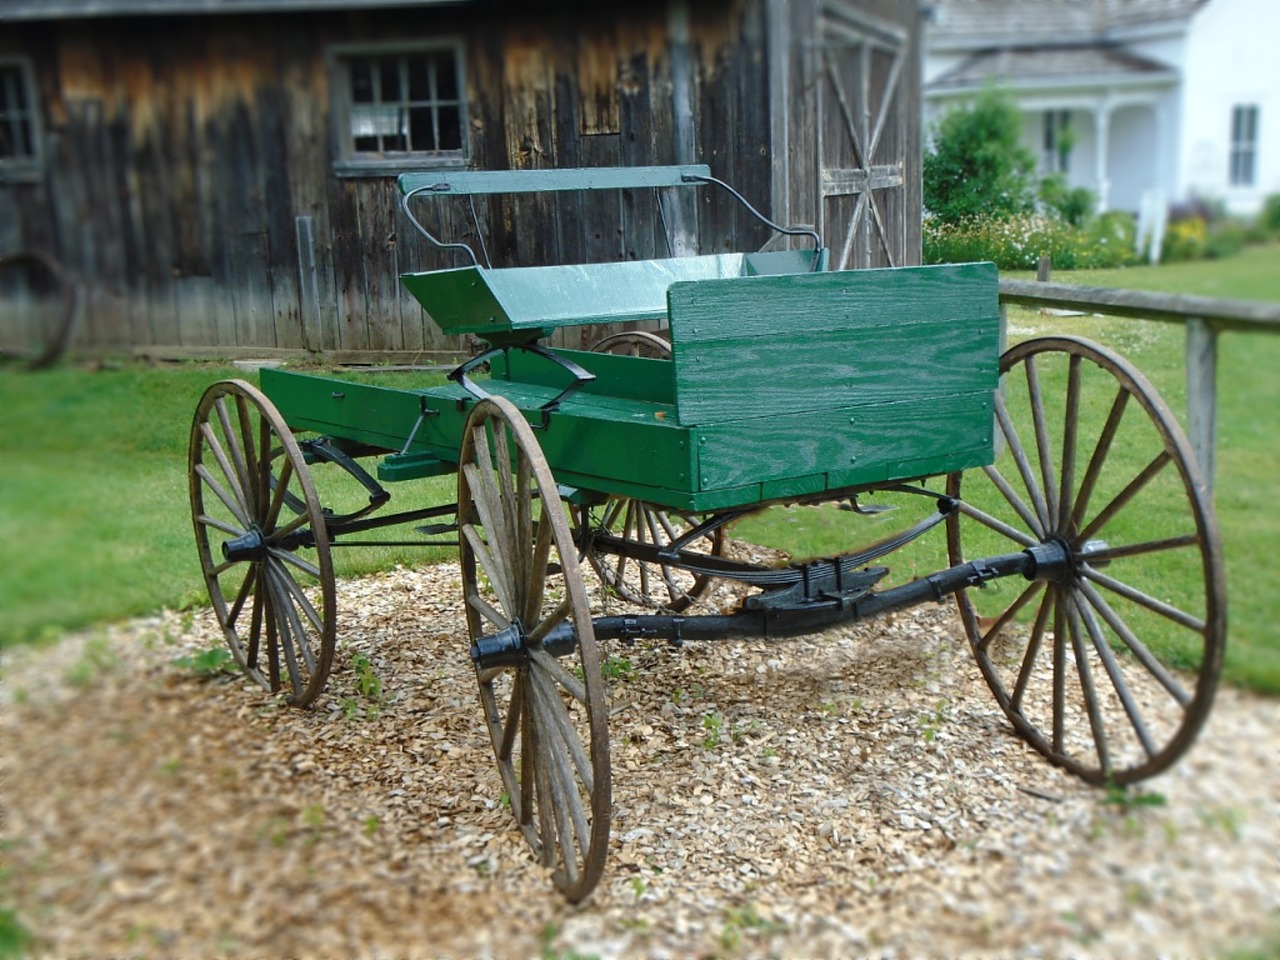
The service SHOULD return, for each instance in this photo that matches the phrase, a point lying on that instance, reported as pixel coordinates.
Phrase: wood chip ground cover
(855, 793)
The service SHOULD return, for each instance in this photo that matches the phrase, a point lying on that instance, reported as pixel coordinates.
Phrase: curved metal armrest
(788, 231)
(440, 187)
(459, 375)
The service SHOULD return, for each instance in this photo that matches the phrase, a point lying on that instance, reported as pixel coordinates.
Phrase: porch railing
(1204, 318)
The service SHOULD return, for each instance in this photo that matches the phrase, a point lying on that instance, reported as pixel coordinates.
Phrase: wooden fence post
(1202, 395)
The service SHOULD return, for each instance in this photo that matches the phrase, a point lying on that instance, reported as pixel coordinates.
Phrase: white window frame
(381, 120)
(21, 121)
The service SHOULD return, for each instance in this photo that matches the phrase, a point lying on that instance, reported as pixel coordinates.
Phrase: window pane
(8, 76)
(450, 128)
(361, 81)
(419, 78)
(390, 76)
(7, 150)
(421, 135)
(446, 76)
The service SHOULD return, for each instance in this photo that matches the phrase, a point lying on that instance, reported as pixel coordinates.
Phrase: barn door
(861, 69)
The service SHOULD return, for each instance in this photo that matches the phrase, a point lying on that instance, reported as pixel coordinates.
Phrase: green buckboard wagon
(1071, 499)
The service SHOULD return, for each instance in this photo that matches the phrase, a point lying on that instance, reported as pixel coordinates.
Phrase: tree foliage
(978, 165)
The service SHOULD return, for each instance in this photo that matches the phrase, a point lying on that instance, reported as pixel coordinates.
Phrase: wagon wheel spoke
(1137, 647)
(288, 631)
(1019, 507)
(1032, 651)
(286, 556)
(543, 694)
(1101, 451)
(1044, 454)
(237, 482)
(231, 503)
(999, 526)
(1084, 673)
(242, 472)
(1112, 672)
(1116, 676)
(1022, 462)
(1070, 439)
(255, 624)
(248, 558)
(1125, 496)
(1008, 615)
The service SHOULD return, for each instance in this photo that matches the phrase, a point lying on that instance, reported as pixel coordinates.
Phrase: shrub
(1185, 239)
(1018, 243)
(978, 165)
(1270, 217)
(1225, 238)
(1074, 205)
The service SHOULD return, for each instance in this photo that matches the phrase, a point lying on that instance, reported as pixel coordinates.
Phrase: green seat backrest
(529, 302)
(760, 346)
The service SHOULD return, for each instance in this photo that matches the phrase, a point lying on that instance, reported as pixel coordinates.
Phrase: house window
(1058, 141)
(398, 106)
(1244, 145)
(19, 120)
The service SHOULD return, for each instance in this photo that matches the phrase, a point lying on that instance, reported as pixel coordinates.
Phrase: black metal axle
(1049, 561)
(816, 615)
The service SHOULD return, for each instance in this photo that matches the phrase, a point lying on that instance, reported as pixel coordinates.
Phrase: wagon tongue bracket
(510, 647)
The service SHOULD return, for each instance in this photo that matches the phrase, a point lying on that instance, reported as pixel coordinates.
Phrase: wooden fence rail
(1204, 318)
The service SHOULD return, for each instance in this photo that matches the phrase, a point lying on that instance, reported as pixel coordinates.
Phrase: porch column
(1101, 136)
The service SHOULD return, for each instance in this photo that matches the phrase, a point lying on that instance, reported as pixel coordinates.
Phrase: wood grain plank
(867, 363)
(856, 444)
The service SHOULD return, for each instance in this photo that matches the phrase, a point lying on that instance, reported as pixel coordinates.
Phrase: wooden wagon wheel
(634, 343)
(52, 312)
(1109, 668)
(542, 690)
(654, 585)
(263, 545)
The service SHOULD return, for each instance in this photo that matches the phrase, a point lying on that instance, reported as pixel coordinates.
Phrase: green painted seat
(515, 304)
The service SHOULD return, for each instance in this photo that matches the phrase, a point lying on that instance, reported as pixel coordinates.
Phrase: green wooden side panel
(760, 347)
(852, 445)
(627, 378)
(538, 299)
(599, 443)
(463, 182)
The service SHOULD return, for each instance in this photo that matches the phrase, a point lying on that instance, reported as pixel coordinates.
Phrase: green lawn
(94, 517)
(94, 522)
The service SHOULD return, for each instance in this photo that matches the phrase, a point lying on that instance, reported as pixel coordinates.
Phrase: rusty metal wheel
(642, 582)
(533, 646)
(1109, 668)
(262, 541)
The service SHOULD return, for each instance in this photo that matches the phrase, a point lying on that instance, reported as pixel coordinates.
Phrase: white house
(1134, 99)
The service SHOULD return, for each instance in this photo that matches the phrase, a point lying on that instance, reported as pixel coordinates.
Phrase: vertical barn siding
(187, 155)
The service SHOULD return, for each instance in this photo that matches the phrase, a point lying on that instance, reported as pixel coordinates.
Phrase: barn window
(19, 120)
(401, 106)
(1244, 145)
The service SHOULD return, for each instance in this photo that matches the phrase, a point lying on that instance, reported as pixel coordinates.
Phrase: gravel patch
(854, 793)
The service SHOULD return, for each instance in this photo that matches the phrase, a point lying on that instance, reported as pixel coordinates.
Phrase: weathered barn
(220, 174)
